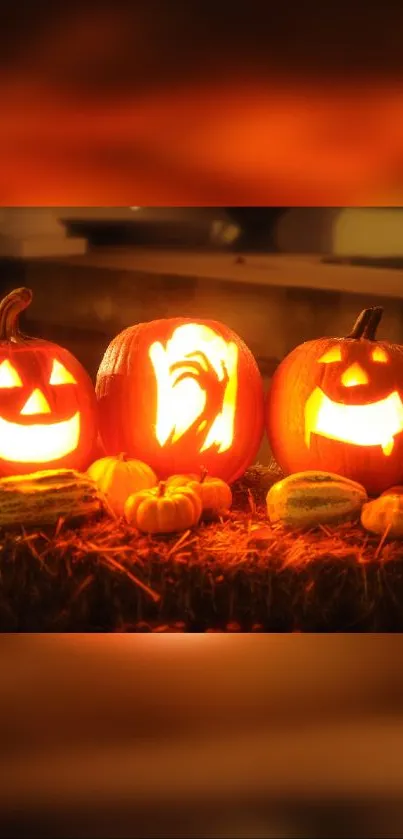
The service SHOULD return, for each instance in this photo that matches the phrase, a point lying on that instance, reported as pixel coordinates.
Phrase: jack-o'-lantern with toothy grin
(336, 404)
(47, 400)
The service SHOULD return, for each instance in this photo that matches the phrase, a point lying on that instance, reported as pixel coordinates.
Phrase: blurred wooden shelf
(279, 270)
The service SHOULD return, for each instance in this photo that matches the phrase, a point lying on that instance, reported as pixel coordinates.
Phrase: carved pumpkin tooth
(387, 448)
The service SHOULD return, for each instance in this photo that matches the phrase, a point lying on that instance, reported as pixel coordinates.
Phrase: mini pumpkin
(384, 516)
(395, 490)
(181, 393)
(336, 404)
(118, 477)
(215, 494)
(182, 480)
(163, 509)
(48, 412)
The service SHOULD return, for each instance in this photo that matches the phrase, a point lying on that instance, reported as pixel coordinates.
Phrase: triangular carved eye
(354, 376)
(379, 354)
(332, 355)
(36, 404)
(60, 375)
(8, 375)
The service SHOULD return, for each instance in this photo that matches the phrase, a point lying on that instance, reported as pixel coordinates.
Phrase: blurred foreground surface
(203, 736)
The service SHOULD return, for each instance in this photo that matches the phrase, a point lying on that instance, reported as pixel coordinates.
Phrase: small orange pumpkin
(163, 509)
(384, 516)
(215, 494)
(118, 477)
(182, 480)
(395, 490)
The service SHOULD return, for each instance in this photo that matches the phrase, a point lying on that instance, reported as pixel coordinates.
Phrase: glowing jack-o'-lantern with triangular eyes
(337, 405)
(181, 394)
(47, 400)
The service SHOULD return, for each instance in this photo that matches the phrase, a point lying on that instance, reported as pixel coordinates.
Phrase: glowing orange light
(355, 375)
(331, 356)
(36, 404)
(379, 354)
(8, 375)
(196, 374)
(60, 375)
(38, 443)
(362, 425)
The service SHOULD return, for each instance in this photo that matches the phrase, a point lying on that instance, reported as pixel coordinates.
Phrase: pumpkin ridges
(215, 494)
(163, 510)
(114, 401)
(181, 479)
(118, 478)
(294, 381)
(31, 359)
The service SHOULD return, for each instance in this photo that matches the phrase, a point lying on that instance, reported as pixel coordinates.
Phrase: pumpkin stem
(367, 323)
(122, 456)
(10, 309)
(203, 474)
(161, 488)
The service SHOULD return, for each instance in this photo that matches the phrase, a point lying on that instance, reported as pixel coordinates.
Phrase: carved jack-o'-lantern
(337, 405)
(47, 401)
(181, 394)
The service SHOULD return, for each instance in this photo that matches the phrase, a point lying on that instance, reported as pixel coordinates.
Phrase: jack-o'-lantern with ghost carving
(47, 400)
(181, 394)
(336, 404)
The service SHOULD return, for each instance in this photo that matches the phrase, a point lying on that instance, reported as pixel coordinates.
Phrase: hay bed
(239, 574)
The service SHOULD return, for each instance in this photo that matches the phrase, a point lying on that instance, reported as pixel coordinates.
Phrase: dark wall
(94, 44)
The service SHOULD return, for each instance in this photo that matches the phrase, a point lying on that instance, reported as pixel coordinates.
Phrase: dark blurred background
(256, 229)
(140, 45)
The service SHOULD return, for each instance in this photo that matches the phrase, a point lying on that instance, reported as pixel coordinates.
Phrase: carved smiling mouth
(38, 443)
(375, 424)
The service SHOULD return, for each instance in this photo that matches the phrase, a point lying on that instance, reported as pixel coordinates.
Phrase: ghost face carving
(344, 409)
(181, 394)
